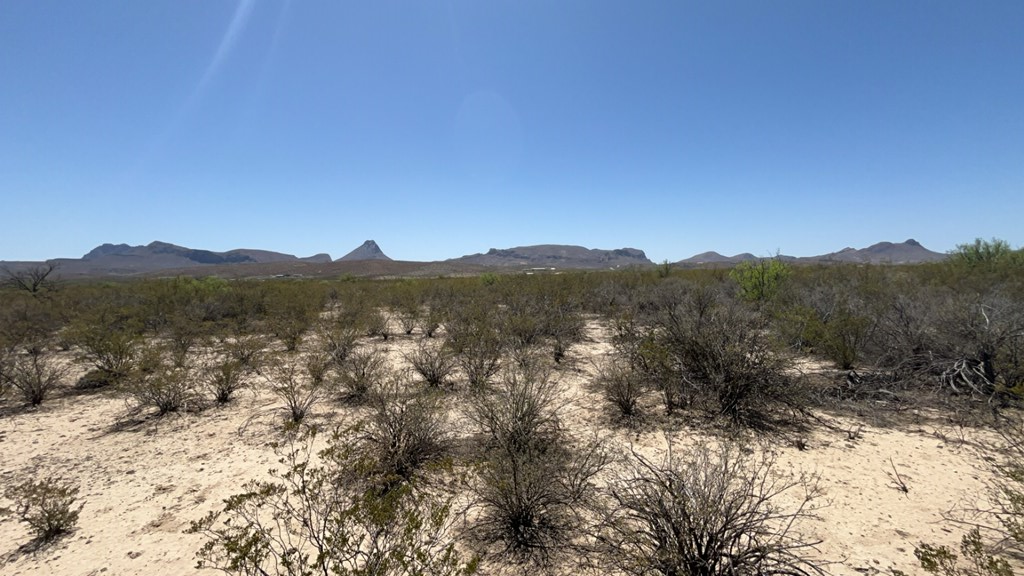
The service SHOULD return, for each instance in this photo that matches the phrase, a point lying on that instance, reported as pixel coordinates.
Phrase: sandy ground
(145, 479)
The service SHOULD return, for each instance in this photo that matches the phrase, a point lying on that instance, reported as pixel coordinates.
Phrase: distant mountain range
(908, 252)
(369, 260)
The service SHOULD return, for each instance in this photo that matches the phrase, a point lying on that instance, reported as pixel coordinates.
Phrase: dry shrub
(337, 338)
(35, 376)
(521, 413)
(712, 512)
(292, 383)
(362, 373)
(713, 353)
(474, 339)
(434, 364)
(537, 504)
(405, 431)
(622, 387)
(225, 377)
(248, 351)
(534, 489)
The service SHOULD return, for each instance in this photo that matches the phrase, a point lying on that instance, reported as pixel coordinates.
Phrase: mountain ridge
(165, 258)
(909, 251)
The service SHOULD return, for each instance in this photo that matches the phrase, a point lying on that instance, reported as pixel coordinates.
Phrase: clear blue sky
(446, 128)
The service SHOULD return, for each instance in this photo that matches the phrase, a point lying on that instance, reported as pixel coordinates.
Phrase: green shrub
(318, 516)
(47, 506)
(166, 387)
(760, 280)
(292, 383)
(986, 253)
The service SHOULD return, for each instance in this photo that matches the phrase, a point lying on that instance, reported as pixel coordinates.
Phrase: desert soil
(143, 479)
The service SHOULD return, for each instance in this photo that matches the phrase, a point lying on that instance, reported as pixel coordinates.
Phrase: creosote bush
(35, 376)
(522, 412)
(711, 511)
(167, 387)
(534, 490)
(108, 338)
(47, 506)
(318, 516)
(712, 353)
(292, 383)
(225, 377)
(362, 373)
(623, 387)
(405, 431)
(337, 339)
(537, 504)
(475, 341)
(434, 364)
(247, 351)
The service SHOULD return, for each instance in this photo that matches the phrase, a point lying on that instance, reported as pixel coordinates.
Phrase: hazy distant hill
(716, 258)
(557, 256)
(908, 252)
(368, 250)
(122, 259)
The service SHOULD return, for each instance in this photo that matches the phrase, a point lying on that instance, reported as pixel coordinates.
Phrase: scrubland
(762, 420)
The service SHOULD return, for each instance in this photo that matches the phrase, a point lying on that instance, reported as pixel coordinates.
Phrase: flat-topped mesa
(557, 256)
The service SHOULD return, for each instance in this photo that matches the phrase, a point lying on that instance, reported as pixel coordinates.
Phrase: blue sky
(447, 128)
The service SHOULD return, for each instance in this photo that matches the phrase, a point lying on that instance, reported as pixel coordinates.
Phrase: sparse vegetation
(434, 364)
(293, 384)
(714, 510)
(995, 537)
(405, 430)
(46, 505)
(167, 387)
(322, 518)
(34, 375)
(497, 397)
(362, 374)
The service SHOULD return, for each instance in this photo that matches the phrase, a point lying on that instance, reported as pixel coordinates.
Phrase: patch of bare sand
(144, 482)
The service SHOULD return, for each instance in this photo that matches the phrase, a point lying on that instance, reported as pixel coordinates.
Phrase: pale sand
(144, 483)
